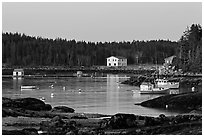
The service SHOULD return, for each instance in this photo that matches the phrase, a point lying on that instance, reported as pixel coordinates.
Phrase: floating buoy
(52, 95)
(79, 90)
(51, 86)
(40, 132)
(64, 88)
(42, 99)
(193, 89)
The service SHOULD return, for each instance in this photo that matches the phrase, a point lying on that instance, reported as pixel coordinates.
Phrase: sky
(101, 21)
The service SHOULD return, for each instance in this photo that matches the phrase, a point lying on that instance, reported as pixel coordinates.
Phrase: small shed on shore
(18, 73)
(79, 73)
(169, 60)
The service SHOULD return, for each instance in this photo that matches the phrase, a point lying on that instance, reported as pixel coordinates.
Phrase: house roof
(18, 70)
(170, 58)
(119, 57)
(146, 83)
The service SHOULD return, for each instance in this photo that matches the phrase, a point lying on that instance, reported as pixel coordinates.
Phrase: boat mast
(156, 77)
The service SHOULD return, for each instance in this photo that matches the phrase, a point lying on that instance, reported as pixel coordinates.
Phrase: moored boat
(164, 83)
(148, 88)
(28, 87)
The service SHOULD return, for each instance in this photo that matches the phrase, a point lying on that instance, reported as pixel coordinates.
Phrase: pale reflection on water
(92, 95)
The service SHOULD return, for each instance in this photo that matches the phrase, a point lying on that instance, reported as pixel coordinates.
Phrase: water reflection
(112, 95)
(174, 91)
(17, 82)
(142, 97)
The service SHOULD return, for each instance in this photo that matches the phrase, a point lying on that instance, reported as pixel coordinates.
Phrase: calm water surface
(103, 95)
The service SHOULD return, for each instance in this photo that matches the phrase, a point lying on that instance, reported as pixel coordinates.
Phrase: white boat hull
(28, 87)
(168, 85)
(164, 83)
(155, 91)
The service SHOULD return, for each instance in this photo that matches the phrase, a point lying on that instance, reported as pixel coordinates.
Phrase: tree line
(21, 50)
(190, 49)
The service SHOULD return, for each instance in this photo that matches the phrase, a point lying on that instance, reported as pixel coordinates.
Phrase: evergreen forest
(22, 50)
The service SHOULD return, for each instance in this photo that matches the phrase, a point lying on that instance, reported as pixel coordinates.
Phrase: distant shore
(65, 70)
(146, 70)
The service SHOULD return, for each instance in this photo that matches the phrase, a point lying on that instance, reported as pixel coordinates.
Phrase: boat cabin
(166, 84)
(146, 86)
(161, 81)
(18, 73)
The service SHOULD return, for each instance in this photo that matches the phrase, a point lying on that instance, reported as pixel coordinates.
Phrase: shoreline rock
(64, 123)
(184, 81)
(63, 109)
(25, 107)
(185, 101)
(26, 103)
(118, 124)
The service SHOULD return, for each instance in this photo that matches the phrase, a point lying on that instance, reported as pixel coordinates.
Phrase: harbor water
(104, 95)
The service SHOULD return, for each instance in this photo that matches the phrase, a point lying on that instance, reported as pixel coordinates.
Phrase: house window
(109, 64)
(114, 64)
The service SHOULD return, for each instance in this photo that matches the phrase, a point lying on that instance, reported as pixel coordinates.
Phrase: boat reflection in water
(174, 91)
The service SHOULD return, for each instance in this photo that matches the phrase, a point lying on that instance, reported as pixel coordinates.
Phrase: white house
(169, 60)
(18, 73)
(116, 61)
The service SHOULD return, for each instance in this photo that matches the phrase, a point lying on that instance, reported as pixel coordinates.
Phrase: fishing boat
(164, 83)
(149, 88)
(28, 87)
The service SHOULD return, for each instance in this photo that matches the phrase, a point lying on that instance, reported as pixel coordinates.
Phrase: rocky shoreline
(185, 101)
(184, 81)
(30, 116)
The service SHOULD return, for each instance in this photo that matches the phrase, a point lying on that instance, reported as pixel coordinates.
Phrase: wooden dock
(55, 76)
(40, 76)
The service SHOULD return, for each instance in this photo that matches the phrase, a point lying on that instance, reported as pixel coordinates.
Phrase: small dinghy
(28, 87)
